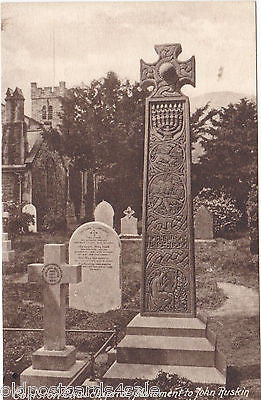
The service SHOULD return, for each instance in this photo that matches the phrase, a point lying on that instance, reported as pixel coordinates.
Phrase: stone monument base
(54, 360)
(131, 248)
(37, 377)
(182, 346)
(51, 367)
(130, 236)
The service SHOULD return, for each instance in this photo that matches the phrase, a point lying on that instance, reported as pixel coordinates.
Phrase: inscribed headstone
(30, 209)
(104, 213)
(96, 246)
(168, 283)
(203, 224)
(129, 223)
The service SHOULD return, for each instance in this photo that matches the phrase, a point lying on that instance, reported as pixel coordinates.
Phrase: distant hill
(217, 99)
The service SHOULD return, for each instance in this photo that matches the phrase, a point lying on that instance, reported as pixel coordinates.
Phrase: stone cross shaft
(55, 276)
(168, 268)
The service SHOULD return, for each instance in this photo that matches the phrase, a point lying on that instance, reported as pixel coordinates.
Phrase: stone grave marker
(54, 362)
(166, 335)
(96, 246)
(130, 239)
(168, 287)
(104, 213)
(30, 209)
(8, 254)
(129, 224)
(203, 224)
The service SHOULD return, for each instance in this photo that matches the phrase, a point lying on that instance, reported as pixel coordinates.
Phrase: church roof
(32, 123)
(33, 153)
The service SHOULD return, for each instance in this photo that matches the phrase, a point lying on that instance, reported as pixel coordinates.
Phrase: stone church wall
(10, 186)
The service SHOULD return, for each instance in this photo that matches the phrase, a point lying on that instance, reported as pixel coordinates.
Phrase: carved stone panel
(168, 258)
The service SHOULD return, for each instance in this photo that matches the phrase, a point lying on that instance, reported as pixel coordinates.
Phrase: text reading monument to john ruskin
(168, 247)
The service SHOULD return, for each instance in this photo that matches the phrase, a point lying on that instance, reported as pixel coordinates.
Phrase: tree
(101, 132)
(200, 127)
(230, 151)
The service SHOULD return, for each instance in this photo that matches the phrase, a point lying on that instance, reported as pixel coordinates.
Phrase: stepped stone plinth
(126, 372)
(166, 326)
(182, 346)
(8, 254)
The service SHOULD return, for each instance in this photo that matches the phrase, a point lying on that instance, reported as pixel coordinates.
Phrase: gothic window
(44, 112)
(50, 112)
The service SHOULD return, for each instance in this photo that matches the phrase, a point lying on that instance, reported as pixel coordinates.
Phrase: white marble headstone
(129, 223)
(96, 247)
(30, 209)
(104, 213)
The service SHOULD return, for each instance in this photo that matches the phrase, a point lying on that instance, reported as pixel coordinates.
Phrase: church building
(31, 173)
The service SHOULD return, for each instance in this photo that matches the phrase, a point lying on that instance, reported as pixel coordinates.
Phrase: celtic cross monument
(168, 246)
(167, 335)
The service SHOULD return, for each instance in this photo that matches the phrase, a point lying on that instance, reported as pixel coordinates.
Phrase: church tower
(46, 104)
(14, 146)
(14, 134)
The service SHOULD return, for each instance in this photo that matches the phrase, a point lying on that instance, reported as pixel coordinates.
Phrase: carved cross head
(54, 271)
(168, 75)
(129, 212)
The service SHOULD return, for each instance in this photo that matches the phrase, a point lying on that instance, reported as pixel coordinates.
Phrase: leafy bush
(54, 222)
(226, 215)
(252, 214)
(18, 221)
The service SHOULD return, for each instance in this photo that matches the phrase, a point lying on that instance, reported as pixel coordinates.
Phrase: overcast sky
(92, 38)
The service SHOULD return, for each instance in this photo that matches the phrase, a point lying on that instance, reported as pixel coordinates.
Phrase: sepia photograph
(129, 135)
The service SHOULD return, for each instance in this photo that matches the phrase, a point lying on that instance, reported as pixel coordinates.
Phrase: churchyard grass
(223, 261)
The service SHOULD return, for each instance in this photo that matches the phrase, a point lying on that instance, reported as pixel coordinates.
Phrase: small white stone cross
(55, 276)
(129, 212)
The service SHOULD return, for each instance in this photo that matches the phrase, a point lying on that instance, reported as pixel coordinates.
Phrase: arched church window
(50, 112)
(44, 112)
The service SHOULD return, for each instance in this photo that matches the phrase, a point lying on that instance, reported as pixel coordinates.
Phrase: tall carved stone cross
(55, 276)
(168, 246)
